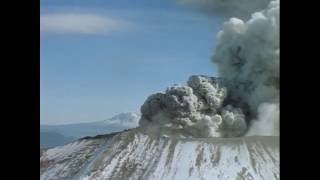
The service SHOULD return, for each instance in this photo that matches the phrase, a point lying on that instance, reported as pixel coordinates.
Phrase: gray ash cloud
(244, 100)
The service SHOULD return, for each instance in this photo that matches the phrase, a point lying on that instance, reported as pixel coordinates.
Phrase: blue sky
(103, 57)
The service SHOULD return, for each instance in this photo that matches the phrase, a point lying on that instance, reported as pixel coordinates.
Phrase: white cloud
(62, 23)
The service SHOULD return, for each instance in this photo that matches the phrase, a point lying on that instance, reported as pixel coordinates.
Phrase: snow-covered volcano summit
(134, 155)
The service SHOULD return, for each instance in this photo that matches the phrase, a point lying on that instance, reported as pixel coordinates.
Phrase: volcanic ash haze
(244, 100)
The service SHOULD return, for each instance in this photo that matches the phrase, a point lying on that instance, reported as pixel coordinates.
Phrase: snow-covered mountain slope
(133, 155)
(117, 123)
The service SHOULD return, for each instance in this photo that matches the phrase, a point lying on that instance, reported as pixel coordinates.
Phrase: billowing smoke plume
(247, 55)
(244, 100)
(194, 110)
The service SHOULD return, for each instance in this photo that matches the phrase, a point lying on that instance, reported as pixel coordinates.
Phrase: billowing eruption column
(244, 100)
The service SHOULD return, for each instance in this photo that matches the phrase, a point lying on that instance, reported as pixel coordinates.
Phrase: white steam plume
(244, 100)
(268, 120)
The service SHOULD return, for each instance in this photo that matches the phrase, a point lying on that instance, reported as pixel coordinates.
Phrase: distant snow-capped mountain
(132, 155)
(123, 119)
(117, 123)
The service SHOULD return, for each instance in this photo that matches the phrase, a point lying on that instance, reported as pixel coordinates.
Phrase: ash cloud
(244, 100)
(227, 8)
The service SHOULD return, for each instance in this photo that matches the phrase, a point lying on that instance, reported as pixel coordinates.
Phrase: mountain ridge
(116, 123)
